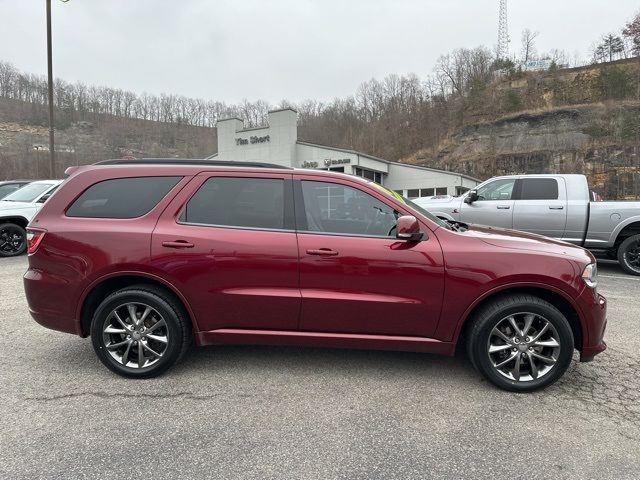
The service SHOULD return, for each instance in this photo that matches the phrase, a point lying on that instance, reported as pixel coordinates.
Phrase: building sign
(252, 140)
(328, 162)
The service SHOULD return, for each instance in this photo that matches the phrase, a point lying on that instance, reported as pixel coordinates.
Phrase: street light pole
(52, 153)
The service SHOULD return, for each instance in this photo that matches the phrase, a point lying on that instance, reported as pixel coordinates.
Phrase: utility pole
(52, 153)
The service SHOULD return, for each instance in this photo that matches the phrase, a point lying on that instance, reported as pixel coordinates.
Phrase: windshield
(28, 193)
(414, 206)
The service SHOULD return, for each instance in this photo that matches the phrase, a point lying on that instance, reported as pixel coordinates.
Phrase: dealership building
(278, 143)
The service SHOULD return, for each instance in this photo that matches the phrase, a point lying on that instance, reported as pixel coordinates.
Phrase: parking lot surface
(272, 412)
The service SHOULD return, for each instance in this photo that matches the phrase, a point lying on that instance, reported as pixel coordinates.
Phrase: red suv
(145, 256)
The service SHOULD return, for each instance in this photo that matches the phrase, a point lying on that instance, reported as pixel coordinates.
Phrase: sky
(230, 50)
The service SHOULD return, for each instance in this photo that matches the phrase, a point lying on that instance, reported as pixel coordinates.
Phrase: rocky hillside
(562, 131)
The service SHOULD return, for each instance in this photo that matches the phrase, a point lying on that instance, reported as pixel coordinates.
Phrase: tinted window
(539, 189)
(238, 202)
(413, 193)
(497, 190)
(335, 208)
(122, 197)
(441, 191)
(427, 192)
(28, 193)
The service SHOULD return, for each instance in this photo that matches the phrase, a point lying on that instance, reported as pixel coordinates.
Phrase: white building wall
(278, 143)
(406, 177)
(275, 143)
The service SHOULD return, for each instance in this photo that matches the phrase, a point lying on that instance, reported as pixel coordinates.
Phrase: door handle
(325, 252)
(556, 207)
(178, 244)
(504, 207)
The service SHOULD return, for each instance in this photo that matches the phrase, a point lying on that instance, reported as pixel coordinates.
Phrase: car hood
(4, 205)
(500, 237)
(438, 202)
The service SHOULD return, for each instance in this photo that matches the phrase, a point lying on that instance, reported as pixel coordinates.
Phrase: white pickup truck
(16, 211)
(557, 206)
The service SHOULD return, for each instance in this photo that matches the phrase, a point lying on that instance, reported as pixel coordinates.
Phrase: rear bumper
(49, 300)
(594, 307)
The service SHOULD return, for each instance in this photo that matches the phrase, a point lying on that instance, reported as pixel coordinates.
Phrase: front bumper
(594, 309)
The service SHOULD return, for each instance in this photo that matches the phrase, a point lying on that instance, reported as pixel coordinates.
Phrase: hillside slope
(24, 140)
(563, 130)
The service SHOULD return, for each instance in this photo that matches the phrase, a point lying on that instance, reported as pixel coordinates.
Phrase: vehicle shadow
(611, 267)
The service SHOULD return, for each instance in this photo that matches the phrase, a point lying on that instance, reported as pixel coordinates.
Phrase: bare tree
(632, 33)
(528, 51)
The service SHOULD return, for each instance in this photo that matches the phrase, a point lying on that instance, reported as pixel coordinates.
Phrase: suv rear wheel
(520, 343)
(13, 240)
(140, 331)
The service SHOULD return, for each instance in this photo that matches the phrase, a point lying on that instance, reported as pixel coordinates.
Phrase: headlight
(590, 275)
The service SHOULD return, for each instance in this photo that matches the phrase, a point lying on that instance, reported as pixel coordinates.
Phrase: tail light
(34, 237)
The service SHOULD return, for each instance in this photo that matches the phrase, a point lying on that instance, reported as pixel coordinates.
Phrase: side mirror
(408, 228)
(471, 197)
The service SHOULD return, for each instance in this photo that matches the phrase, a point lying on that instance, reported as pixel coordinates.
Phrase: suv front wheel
(520, 343)
(140, 331)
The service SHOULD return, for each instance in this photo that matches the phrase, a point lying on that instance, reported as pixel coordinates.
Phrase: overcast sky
(275, 49)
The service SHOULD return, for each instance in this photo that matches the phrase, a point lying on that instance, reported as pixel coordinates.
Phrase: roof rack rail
(196, 161)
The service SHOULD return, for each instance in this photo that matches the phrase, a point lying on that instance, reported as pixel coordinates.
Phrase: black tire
(13, 240)
(177, 331)
(629, 255)
(492, 315)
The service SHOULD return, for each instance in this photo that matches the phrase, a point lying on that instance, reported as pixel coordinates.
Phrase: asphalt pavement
(302, 413)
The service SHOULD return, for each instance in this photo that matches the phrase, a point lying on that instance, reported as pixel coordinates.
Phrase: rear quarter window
(122, 197)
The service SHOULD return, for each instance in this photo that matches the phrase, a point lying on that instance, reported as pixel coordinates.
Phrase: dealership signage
(252, 140)
(328, 162)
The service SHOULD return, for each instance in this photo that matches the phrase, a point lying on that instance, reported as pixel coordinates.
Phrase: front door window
(340, 209)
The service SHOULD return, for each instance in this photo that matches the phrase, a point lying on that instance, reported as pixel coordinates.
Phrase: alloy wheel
(632, 256)
(135, 335)
(12, 240)
(523, 347)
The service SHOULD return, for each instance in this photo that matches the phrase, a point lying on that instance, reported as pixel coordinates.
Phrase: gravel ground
(271, 412)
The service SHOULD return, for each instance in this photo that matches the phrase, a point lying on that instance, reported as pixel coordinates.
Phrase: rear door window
(539, 189)
(122, 197)
(238, 202)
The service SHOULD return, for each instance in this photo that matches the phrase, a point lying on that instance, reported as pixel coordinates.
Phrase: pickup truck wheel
(13, 240)
(520, 343)
(139, 332)
(629, 255)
